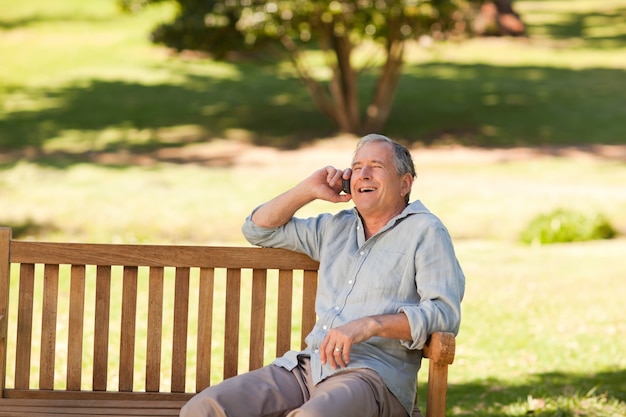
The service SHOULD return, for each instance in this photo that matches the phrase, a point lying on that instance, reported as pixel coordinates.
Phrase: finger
(345, 354)
(339, 357)
(331, 174)
(323, 357)
(336, 179)
(323, 349)
(332, 356)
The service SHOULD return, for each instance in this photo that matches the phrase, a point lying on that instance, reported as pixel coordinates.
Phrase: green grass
(96, 125)
(82, 76)
(542, 323)
(543, 326)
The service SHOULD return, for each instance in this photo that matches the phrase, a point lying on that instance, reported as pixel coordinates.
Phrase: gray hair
(401, 155)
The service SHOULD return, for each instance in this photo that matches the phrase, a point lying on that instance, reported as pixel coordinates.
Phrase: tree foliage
(335, 27)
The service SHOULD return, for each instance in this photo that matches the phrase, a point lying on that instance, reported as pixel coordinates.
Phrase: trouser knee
(202, 406)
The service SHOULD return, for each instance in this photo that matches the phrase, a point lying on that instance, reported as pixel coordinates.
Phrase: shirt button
(362, 253)
(337, 308)
(317, 351)
(324, 327)
(350, 282)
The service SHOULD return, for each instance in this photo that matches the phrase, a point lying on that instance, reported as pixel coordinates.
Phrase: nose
(366, 172)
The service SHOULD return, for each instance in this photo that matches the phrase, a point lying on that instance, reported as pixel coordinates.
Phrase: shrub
(563, 225)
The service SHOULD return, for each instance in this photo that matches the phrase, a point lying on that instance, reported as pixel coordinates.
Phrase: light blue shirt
(409, 266)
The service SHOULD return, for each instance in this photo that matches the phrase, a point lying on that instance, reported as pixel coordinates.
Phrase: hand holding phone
(345, 185)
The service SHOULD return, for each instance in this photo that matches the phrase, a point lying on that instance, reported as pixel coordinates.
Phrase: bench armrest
(440, 348)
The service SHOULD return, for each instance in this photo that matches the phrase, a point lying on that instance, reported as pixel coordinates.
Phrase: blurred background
(143, 121)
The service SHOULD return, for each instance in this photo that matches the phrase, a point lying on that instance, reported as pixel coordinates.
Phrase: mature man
(388, 278)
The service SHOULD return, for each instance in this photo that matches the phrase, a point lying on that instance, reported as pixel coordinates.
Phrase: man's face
(377, 190)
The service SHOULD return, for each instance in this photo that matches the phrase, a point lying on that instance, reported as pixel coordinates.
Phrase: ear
(406, 184)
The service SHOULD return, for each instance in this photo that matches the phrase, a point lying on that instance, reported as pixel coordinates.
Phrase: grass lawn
(106, 138)
(543, 326)
(82, 76)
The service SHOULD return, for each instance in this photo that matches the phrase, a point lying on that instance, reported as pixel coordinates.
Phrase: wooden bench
(130, 330)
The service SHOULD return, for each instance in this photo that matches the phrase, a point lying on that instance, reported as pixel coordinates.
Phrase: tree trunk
(344, 86)
(319, 95)
(340, 101)
(379, 109)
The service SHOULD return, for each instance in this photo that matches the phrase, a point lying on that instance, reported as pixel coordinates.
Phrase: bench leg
(437, 390)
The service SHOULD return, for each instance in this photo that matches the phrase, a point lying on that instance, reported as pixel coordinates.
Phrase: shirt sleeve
(440, 285)
(298, 235)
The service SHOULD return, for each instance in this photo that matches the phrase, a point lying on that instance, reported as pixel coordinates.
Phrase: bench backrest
(121, 321)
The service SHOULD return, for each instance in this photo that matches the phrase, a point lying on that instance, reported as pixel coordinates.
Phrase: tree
(335, 27)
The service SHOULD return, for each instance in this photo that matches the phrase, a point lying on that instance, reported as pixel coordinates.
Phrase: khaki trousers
(273, 391)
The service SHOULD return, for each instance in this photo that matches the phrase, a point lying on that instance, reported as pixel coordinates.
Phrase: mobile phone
(345, 186)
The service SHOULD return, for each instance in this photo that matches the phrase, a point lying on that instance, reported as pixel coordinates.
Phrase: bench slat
(75, 328)
(257, 318)
(35, 394)
(127, 331)
(73, 408)
(285, 300)
(5, 239)
(309, 290)
(155, 326)
(205, 328)
(231, 322)
(49, 326)
(157, 255)
(24, 326)
(179, 348)
(101, 330)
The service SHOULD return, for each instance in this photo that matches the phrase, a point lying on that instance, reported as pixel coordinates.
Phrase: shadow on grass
(599, 29)
(548, 391)
(27, 228)
(35, 19)
(477, 105)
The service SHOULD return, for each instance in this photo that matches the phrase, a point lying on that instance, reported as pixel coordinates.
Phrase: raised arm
(323, 184)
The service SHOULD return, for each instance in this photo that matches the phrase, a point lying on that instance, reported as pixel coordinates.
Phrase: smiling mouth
(367, 189)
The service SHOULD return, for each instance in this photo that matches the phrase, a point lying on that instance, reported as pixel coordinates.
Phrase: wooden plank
(49, 326)
(101, 328)
(89, 407)
(283, 325)
(257, 318)
(205, 328)
(231, 331)
(35, 394)
(127, 331)
(5, 284)
(309, 290)
(24, 326)
(155, 330)
(75, 328)
(158, 255)
(181, 318)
